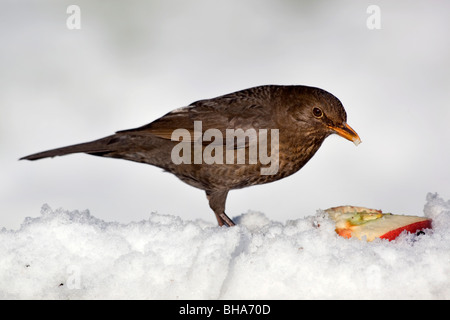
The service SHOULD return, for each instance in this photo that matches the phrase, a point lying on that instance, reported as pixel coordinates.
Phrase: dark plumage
(297, 120)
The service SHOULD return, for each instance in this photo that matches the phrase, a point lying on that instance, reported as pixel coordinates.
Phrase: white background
(133, 61)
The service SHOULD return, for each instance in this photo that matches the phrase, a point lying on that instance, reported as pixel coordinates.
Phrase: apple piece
(360, 222)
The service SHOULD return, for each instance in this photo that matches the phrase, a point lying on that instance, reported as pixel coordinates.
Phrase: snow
(73, 255)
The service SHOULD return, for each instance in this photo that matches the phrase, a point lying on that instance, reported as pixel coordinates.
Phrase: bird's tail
(97, 147)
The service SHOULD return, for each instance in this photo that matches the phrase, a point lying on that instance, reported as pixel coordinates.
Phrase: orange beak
(346, 132)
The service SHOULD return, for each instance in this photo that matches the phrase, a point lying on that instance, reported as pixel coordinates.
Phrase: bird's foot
(226, 220)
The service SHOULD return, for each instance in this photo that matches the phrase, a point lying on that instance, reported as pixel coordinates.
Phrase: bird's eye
(317, 112)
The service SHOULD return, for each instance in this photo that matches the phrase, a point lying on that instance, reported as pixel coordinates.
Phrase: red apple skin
(413, 227)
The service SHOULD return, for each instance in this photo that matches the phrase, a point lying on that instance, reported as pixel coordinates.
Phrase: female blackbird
(249, 137)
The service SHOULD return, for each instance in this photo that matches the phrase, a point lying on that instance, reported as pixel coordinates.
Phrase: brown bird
(249, 137)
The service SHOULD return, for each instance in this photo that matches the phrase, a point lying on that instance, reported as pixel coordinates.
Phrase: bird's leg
(217, 203)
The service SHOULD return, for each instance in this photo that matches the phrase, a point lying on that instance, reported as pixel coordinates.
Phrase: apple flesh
(360, 222)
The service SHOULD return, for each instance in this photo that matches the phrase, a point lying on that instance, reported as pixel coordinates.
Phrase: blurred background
(133, 61)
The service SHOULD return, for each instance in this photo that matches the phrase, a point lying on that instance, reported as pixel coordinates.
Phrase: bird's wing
(220, 114)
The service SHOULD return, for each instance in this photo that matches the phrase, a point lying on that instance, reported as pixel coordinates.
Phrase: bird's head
(316, 111)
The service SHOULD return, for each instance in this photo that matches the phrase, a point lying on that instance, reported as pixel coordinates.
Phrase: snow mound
(73, 255)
